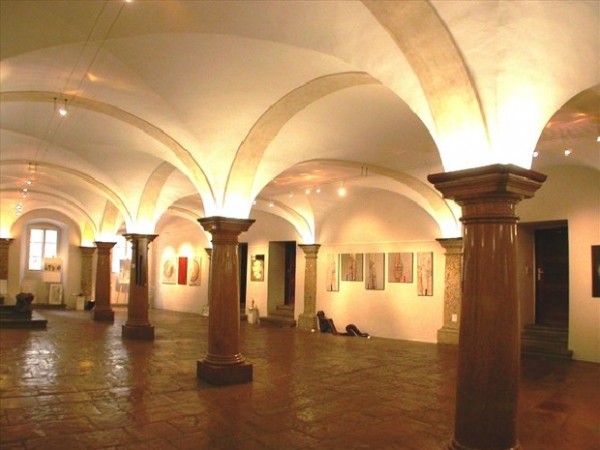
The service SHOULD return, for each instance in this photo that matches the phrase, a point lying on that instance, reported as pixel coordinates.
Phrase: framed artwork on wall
(169, 271)
(352, 266)
(257, 268)
(595, 270)
(425, 273)
(55, 293)
(400, 267)
(182, 270)
(194, 270)
(333, 273)
(375, 271)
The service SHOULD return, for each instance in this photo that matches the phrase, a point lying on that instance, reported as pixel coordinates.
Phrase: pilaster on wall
(308, 319)
(4, 245)
(87, 256)
(448, 334)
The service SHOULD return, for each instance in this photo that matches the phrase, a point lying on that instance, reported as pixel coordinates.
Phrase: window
(121, 251)
(43, 243)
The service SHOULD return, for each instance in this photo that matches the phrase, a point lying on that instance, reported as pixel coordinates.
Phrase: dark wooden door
(243, 267)
(552, 277)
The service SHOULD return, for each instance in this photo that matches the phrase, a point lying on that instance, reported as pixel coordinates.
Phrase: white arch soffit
(304, 227)
(240, 181)
(188, 214)
(461, 131)
(147, 211)
(197, 175)
(60, 203)
(422, 194)
(100, 188)
(110, 224)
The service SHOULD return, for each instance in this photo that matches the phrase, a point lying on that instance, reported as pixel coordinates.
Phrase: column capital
(483, 183)
(104, 245)
(310, 249)
(138, 236)
(5, 242)
(87, 250)
(225, 230)
(451, 245)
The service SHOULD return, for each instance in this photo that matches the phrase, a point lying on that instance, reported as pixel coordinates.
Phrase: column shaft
(224, 363)
(102, 310)
(138, 325)
(489, 344)
(4, 245)
(308, 319)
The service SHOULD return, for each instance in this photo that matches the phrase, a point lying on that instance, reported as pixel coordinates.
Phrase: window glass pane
(52, 236)
(35, 256)
(50, 250)
(37, 235)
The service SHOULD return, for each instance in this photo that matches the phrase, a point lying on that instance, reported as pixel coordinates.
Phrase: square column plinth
(139, 332)
(224, 375)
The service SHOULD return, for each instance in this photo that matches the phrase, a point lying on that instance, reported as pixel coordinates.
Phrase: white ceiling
(199, 106)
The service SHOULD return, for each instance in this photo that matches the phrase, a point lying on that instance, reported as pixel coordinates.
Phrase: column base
(139, 332)
(224, 375)
(103, 315)
(307, 321)
(454, 445)
(447, 336)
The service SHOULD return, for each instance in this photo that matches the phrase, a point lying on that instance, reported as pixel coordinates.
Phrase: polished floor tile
(78, 385)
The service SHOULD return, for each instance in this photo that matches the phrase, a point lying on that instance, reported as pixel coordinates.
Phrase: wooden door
(552, 277)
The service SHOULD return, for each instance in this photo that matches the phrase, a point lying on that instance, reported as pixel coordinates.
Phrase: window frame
(45, 227)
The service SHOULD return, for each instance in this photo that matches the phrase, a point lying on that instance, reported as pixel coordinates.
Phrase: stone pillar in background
(224, 363)
(138, 325)
(102, 311)
(308, 319)
(448, 334)
(4, 245)
(87, 270)
(489, 345)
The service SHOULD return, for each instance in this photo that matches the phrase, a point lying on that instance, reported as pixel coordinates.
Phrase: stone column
(224, 363)
(448, 334)
(138, 326)
(308, 319)
(489, 344)
(4, 245)
(102, 310)
(87, 266)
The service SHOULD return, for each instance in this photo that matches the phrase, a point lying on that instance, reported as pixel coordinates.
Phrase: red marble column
(308, 319)
(138, 325)
(489, 337)
(87, 269)
(224, 363)
(102, 311)
(4, 245)
(448, 334)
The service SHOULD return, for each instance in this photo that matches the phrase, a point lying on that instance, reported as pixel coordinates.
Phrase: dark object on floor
(326, 325)
(21, 315)
(89, 305)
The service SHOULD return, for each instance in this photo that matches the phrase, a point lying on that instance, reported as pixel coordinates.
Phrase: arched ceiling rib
(251, 151)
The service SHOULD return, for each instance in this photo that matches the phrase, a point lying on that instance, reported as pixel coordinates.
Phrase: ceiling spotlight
(536, 154)
(342, 191)
(271, 204)
(62, 109)
(568, 151)
(318, 191)
(291, 194)
(307, 191)
(28, 182)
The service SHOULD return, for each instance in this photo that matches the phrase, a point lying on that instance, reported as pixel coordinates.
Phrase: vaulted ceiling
(215, 108)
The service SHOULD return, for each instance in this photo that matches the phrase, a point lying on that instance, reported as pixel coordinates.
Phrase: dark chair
(326, 325)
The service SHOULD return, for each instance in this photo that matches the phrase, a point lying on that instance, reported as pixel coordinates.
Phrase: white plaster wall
(373, 223)
(178, 237)
(572, 193)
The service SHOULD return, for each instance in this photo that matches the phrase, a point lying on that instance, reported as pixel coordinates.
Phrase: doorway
(282, 276)
(552, 276)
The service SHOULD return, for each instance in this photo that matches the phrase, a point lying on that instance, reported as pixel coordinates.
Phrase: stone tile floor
(78, 385)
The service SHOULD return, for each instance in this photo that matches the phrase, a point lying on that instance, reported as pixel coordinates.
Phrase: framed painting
(257, 268)
(333, 273)
(374, 271)
(182, 270)
(425, 273)
(194, 270)
(55, 294)
(169, 271)
(400, 267)
(352, 266)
